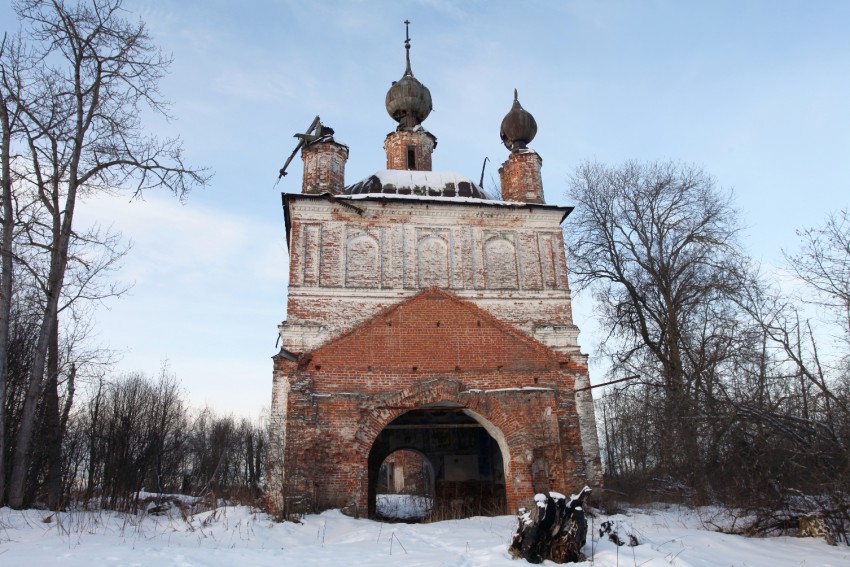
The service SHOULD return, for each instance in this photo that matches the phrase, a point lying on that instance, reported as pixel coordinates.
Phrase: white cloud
(209, 292)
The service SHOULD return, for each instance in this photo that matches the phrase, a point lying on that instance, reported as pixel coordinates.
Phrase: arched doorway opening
(466, 454)
(405, 486)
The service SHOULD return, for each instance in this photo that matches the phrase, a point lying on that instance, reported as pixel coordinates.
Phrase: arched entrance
(405, 486)
(466, 454)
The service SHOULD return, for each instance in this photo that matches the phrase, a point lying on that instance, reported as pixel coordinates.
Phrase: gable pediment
(433, 331)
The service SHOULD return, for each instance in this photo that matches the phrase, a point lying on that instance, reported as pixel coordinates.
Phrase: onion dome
(408, 101)
(518, 127)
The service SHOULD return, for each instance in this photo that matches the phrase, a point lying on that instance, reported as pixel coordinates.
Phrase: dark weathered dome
(518, 127)
(417, 183)
(408, 101)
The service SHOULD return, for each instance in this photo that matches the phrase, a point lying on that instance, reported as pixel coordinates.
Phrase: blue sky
(758, 93)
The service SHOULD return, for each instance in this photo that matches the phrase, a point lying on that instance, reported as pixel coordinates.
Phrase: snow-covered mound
(240, 536)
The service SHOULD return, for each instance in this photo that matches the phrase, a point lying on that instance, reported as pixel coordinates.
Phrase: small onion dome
(518, 127)
(408, 100)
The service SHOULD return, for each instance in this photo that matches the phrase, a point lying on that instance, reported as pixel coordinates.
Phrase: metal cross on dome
(407, 71)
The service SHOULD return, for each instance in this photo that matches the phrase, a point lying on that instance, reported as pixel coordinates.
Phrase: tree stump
(555, 529)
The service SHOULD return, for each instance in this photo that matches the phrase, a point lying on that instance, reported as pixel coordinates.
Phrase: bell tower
(520, 174)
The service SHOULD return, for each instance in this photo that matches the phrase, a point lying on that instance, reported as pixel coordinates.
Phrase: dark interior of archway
(467, 462)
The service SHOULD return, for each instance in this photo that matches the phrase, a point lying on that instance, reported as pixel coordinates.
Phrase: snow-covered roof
(422, 183)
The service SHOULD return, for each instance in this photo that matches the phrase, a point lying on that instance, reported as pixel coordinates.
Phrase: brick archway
(469, 463)
(406, 480)
(507, 433)
(429, 393)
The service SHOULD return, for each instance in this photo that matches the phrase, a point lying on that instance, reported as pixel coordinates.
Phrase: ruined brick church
(425, 316)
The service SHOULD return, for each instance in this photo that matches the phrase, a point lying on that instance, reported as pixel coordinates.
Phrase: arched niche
(362, 265)
(501, 263)
(433, 262)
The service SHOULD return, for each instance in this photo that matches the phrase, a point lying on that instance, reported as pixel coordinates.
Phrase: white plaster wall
(347, 265)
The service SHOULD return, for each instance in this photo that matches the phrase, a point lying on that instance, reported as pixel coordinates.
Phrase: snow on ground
(240, 536)
(403, 506)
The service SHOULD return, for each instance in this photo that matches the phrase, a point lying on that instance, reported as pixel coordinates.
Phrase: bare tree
(768, 404)
(136, 438)
(82, 131)
(795, 422)
(93, 256)
(657, 246)
(11, 61)
(824, 264)
(137, 432)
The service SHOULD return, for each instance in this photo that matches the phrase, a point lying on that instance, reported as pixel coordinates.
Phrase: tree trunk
(5, 274)
(95, 462)
(69, 399)
(258, 462)
(58, 264)
(52, 422)
(555, 529)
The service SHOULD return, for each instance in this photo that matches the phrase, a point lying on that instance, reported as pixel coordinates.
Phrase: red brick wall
(397, 144)
(343, 395)
(520, 177)
(413, 469)
(333, 425)
(371, 344)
